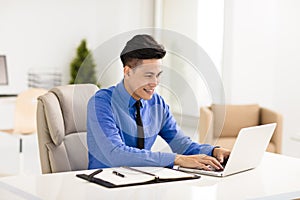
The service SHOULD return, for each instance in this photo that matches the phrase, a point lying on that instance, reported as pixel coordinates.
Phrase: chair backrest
(61, 123)
(222, 123)
(230, 119)
(25, 110)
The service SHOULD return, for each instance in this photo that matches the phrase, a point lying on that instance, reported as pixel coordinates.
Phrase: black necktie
(139, 124)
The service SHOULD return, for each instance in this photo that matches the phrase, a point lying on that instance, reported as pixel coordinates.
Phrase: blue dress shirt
(112, 131)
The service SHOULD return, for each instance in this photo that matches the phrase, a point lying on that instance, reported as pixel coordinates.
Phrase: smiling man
(124, 121)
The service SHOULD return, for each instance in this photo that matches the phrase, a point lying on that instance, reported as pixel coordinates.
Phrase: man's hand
(221, 154)
(200, 161)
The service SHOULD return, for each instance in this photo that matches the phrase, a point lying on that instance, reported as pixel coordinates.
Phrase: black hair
(141, 47)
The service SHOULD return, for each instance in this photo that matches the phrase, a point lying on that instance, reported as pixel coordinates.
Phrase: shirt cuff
(168, 159)
(207, 149)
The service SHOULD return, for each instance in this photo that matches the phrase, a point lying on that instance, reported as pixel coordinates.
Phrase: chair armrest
(269, 116)
(205, 125)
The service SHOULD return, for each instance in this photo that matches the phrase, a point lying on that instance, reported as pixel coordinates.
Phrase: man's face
(142, 80)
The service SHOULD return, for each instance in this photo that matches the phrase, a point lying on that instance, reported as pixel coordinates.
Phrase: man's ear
(126, 70)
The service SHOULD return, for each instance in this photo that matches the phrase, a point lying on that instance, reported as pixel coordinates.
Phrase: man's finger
(213, 162)
(205, 167)
(221, 158)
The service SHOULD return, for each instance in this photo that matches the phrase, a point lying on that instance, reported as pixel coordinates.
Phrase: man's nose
(154, 81)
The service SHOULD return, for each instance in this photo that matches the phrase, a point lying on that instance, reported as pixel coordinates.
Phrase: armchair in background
(25, 111)
(24, 123)
(222, 123)
(61, 127)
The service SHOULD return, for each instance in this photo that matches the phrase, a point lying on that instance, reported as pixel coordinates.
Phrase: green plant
(82, 68)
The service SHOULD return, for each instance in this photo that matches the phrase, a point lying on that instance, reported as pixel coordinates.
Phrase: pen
(118, 174)
(137, 170)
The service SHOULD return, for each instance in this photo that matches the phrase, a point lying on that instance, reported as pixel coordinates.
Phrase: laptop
(246, 153)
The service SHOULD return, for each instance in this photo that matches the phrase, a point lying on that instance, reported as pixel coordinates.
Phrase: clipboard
(134, 176)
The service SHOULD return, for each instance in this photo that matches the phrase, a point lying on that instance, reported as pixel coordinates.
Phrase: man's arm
(176, 139)
(190, 154)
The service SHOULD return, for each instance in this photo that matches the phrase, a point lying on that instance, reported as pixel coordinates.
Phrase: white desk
(263, 182)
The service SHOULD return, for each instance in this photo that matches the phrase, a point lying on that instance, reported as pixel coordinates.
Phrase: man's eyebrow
(152, 73)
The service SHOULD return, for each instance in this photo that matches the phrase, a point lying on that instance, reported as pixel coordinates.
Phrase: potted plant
(82, 68)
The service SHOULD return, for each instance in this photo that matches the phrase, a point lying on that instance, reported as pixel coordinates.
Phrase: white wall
(261, 61)
(45, 34)
(261, 42)
(251, 48)
(202, 22)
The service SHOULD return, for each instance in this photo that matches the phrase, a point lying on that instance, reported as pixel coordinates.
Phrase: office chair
(61, 127)
(220, 124)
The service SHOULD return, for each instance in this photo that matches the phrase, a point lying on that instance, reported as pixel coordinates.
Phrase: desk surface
(277, 177)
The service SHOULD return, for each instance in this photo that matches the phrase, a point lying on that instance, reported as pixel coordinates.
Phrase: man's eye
(148, 76)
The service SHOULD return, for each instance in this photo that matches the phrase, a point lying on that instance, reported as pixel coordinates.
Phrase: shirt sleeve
(176, 139)
(105, 145)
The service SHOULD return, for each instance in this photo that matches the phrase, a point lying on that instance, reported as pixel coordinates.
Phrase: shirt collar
(125, 97)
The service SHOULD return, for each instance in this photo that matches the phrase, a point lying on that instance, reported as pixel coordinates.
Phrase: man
(124, 120)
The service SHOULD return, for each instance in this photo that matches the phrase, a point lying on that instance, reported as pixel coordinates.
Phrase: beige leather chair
(25, 111)
(220, 124)
(24, 124)
(61, 126)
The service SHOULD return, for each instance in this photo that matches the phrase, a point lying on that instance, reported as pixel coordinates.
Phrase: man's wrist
(177, 159)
